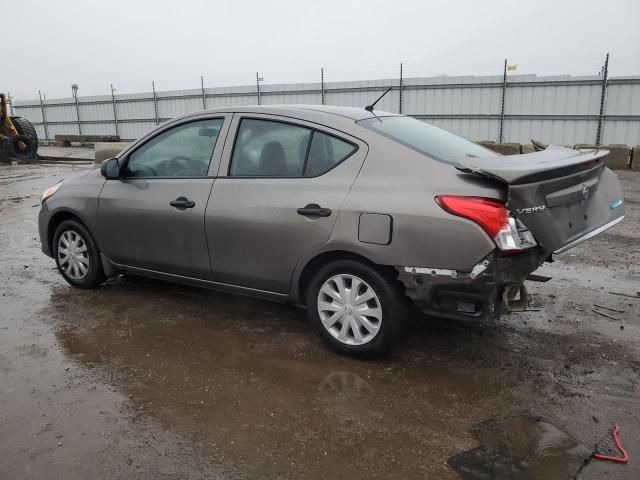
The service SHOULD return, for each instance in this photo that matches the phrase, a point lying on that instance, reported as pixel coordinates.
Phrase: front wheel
(358, 310)
(77, 256)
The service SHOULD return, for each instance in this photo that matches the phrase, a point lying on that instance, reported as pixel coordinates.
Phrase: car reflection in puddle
(247, 381)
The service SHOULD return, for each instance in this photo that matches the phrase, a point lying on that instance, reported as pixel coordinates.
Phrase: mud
(145, 379)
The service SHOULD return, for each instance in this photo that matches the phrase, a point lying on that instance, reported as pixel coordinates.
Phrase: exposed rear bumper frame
(476, 293)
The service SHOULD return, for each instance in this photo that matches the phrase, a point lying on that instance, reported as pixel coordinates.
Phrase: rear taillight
(494, 218)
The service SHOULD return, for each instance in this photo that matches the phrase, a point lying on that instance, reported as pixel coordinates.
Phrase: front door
(278, 195)
(153, 216)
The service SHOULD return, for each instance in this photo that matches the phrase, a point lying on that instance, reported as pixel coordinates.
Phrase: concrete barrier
(502, 148)
(635, 158)
(527, 148)
(106, 150)
(619, 155)
(66, 140)
(618, 158)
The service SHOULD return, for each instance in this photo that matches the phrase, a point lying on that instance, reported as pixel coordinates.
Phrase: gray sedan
(350, 212)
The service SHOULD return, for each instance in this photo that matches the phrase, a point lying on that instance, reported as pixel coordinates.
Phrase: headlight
(50, 191)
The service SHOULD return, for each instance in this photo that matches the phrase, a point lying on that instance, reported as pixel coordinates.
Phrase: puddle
(146, 379)
(521, 447)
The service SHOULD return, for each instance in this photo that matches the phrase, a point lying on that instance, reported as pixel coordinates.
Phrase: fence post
(10, 102)
(115, 112)
(504, 91)
(155, 101)
(258, 87)
(322, 85)
(400, 109)
(74, 91)
(603, 100)
(204, 98)
(44, 118)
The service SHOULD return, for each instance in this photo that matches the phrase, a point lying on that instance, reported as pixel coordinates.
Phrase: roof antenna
(369, 108)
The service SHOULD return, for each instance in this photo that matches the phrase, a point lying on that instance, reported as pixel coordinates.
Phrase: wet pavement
(145, 379)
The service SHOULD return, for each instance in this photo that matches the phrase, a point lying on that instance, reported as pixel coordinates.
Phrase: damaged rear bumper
(477, 293)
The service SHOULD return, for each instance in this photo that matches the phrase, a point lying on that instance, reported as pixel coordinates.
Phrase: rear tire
(367, 318)
(77, 256)
(26, 128)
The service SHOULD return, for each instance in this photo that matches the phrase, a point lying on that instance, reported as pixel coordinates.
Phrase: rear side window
(325, 153)
(269, 149)
(266, 148)
(427, 139)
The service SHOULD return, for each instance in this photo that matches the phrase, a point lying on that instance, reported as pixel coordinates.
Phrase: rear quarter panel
(397, 181)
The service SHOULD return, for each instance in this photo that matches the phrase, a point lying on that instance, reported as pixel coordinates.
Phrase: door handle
(182, 202)
(314, 210)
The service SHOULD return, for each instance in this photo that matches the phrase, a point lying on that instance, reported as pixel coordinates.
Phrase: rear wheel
(77, 256)
(359, 310)
(26, 128)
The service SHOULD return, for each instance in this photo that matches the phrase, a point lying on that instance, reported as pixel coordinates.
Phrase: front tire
(359, 310)
(77, 255)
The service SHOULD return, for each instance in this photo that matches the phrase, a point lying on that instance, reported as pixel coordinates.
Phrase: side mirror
(110, 169)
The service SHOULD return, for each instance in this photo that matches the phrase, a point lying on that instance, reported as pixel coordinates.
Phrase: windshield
(424, 138)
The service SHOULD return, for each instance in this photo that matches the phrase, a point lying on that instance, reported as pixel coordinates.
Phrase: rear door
(153, 216)
(280, 187)
(563, 196)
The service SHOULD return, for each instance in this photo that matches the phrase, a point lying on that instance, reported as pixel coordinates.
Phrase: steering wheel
(142, 171)
(180, 165)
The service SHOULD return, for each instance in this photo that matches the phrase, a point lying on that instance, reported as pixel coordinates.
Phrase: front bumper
(477, 293)
(43, 230)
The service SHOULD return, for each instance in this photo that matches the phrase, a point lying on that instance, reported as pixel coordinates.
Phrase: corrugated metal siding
(559, 132)
(559, 109)
(621, 131)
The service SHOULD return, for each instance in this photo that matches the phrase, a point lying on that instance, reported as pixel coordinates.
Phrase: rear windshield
(424, 138)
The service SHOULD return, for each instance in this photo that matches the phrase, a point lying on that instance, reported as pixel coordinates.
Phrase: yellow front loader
(18, 137)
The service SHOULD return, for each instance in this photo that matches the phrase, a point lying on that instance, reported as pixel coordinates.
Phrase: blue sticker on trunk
(616, 204)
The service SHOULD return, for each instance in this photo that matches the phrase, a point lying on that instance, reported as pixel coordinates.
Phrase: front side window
(267, 148)
(427, 139)
(183, 151)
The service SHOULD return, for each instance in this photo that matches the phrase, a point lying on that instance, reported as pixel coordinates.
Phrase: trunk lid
(563, 196)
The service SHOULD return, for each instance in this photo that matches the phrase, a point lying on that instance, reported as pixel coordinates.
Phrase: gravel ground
(144, 379)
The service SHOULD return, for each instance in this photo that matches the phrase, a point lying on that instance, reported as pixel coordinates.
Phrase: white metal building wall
(561, 109)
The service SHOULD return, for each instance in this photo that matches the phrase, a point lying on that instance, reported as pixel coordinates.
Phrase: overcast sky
(130, 43)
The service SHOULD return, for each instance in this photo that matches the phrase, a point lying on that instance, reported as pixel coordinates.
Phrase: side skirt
(197, 282)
